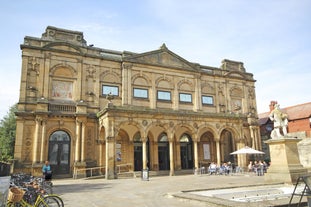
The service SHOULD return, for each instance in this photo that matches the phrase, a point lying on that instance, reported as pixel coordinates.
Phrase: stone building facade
(81, 106)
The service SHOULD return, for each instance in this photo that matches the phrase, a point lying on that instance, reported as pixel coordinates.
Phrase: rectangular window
(114, 90)
(140, 93)
(208, 100)
(164, 95)
(185, 97)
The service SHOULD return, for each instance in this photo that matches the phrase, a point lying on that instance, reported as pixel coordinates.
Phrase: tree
(7, 134)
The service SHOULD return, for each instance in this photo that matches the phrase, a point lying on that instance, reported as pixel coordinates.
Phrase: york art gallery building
(81, 106)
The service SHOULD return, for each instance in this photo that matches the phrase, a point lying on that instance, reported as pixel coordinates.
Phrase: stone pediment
(235, 75)
(63, 46)
(162, 57)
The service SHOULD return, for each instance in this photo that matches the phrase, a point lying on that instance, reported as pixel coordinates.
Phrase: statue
(280, 121)
(110, 97)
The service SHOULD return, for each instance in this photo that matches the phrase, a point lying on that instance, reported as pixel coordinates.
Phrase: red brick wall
(299, 125)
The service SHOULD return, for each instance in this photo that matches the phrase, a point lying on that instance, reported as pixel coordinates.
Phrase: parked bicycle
(19, 197)
(27, 191)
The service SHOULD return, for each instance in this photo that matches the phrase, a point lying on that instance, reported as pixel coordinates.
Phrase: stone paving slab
(168, 191)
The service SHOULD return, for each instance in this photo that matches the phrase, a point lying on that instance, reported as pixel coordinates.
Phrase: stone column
(110, 158)
(43, 138)
(196, 160)
(100, 146)
(77, 147)
(35, 141)
(197, 103)
(285, 164)
(218, 153)
(83, 142)
(252, 137)
(172, 170)
(178, 158)
(144, 141)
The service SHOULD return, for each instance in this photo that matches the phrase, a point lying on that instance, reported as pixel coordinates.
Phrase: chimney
(271, 106)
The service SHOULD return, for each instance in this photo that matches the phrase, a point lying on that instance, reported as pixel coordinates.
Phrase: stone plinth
(285, 164)
(79, 170)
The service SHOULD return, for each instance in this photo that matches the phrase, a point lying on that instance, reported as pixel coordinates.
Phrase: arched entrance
(59, 152)
(186, 153)
(163, 152)
(138, 152)
(227, 142)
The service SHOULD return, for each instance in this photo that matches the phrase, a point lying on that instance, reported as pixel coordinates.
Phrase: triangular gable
(162, 57)
(235, 74)
(63, 46)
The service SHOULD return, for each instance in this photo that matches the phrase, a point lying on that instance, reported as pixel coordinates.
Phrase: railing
(62, 108)
(79, 172)
(124, 168)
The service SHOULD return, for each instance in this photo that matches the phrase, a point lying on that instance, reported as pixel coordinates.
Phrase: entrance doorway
(138, 153)
(163, 152)
(186, 154)
(226, 144)
(138, 156)
(59, 153)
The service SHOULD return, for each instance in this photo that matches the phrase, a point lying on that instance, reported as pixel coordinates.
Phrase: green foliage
(7, 134)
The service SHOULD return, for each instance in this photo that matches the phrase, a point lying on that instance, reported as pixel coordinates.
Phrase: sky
(271, 37)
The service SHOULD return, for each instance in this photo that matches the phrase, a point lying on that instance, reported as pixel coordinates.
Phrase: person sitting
(47, 171)
(212, 168)
(250, 166)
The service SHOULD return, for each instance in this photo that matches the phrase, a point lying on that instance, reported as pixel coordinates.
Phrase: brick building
(81, 106)
(299, 122)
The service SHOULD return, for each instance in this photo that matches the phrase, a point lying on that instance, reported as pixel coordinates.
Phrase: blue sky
(271, 37)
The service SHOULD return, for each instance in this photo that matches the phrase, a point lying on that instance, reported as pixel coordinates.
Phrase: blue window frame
(140, 93)
(164, 95)
(185, 97)
(114, 90)
(208, 100)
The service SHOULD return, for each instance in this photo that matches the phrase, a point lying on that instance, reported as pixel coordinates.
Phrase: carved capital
(110, 139)
(127, 65)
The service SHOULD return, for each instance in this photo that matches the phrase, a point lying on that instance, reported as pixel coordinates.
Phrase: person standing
(47, 171)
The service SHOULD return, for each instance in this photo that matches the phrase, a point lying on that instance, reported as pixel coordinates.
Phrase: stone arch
(131, 128)
(164, 82)
(110, 77)
(185, 85)
(207, 88)
(227, 143)
(156, 126)
(184, 128)
(65, 129)
(141, 80)
(63, 70)
(59, 151)
(202, 129)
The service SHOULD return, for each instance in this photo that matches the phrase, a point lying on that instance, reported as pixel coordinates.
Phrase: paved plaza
(168, 191)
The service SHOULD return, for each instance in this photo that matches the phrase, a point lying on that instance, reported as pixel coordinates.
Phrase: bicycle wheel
(59, 199)
(51, 201)
(10, 204)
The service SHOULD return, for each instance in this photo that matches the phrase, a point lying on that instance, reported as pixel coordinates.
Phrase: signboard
(206, 152)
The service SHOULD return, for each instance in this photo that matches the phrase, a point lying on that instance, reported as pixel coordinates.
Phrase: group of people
(224, 169)
(258, 167)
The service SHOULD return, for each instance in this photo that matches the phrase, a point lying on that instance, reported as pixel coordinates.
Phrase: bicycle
(25, 197)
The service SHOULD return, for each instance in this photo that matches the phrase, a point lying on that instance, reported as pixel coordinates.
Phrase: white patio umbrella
(246, 150)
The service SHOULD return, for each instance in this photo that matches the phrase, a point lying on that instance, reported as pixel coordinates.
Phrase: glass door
(59, 152)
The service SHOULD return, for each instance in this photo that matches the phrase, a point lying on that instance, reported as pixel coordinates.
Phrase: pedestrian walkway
(169, 191)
